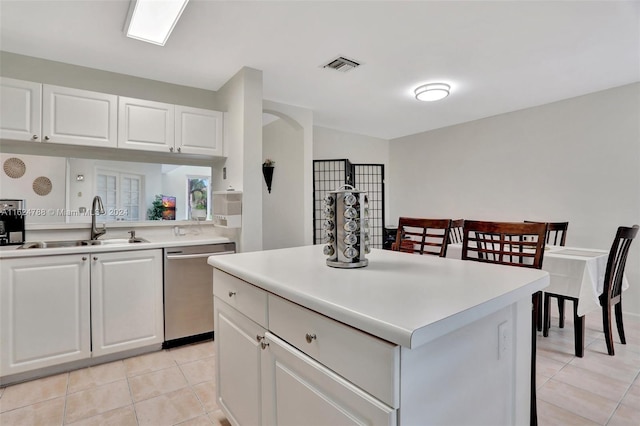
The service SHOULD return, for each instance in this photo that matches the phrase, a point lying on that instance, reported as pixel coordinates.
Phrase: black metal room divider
(329, 175)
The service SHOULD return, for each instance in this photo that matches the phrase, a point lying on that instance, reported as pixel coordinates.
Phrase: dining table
(573, 271)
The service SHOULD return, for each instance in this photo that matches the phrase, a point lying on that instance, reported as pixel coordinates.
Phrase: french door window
(122, 195)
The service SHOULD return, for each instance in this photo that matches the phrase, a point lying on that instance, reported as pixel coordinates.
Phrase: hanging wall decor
(14, 167)
(267, 172)
(42, 185)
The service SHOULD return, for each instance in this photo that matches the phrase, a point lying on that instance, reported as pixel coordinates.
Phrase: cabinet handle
(310, 337)
(46, 138)
(95, 257)
(179, 149)
(34, 137)
(232, 293)
(84, 258)
(259, 338)
(264, 345)
(171, 149)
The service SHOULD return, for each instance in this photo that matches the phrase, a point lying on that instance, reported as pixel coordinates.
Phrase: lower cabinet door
(126, 300)
(239, 365)
(297, 390)
(44, 312)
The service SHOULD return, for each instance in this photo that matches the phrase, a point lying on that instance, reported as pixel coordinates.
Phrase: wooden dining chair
(611, 294)
(556, 232)
(422, 236)
(455, 232)
(515, 244)
(506, 243)
(556, 236)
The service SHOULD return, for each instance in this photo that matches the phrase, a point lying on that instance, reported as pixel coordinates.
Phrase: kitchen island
(410, 340)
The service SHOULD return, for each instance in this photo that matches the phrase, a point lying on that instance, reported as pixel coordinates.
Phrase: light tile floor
(596, 389)
(169, 387)
(177, 386)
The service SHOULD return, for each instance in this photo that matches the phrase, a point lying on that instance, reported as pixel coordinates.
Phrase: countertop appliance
(188, 292)
(11, 222)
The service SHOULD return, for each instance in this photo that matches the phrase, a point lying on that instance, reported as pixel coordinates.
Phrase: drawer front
(369, 362)
(301, 391)
(246, 298)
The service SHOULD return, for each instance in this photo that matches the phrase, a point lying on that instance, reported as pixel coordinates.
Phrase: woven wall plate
(14, 167)
(42, 185)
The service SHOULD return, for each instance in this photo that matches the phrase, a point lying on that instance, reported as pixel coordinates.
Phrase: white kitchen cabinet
(20, 110)
(239, 364)
(31, 111)
(79, 117)
(126, 300)
(383, 344)
(145, 125)
(198, 131)
(64, 308)
(44, 312)
(264, 380)
(53, 114)
(156, 126)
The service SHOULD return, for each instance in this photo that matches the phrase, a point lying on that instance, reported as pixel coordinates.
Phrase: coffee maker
(11, 222)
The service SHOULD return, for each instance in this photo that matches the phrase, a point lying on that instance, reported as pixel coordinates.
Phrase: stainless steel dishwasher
(188, 292)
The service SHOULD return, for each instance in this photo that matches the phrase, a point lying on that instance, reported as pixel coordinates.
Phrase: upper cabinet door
(198, 131)
(145, 125)
(79, 117)
(20, 110)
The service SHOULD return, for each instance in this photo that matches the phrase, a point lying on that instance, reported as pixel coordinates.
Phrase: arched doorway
(282, 208)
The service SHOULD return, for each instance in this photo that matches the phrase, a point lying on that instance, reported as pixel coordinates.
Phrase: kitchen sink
(76, 243)
(114, 241)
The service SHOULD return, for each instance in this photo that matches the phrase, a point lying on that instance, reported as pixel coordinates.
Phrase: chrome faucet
(97, 208)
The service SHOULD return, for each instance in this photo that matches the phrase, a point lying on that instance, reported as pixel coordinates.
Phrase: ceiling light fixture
(153, 20)
(432, 92)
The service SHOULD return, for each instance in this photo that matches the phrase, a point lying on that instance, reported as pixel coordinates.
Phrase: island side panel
(472, 375)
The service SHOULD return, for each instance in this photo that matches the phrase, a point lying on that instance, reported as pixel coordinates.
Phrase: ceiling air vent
(341, 64)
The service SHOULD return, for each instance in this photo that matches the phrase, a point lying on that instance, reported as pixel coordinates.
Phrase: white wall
(241, 97)
(41, 208)
(282, 215)
(300, 118)
(50, 72)
(576, 160)
(334, 144)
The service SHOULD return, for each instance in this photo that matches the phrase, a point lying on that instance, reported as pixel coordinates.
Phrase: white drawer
(368, 362)
(246, 298)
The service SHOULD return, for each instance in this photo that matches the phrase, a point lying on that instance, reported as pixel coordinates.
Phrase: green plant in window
(155, 212)
(198, 194)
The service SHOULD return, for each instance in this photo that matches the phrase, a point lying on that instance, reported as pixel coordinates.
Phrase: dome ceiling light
(432, 92)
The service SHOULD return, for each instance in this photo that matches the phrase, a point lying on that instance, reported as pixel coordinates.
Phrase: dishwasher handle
(196, 256)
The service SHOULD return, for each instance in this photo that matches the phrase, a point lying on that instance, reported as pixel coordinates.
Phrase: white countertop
(155, 241)
(403, 298)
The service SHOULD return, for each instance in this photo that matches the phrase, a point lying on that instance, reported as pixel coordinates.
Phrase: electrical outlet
(504, 336)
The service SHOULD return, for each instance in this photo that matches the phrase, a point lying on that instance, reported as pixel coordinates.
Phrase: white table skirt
(574, 272)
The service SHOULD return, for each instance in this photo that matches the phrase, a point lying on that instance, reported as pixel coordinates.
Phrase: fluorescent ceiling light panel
(153, 20)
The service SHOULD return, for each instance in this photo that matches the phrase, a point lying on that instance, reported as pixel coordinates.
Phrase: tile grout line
(190, 386)
(66, 394)
(133, 402)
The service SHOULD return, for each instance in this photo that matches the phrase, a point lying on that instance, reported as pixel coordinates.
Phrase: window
(198, 197)
(122, 195)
